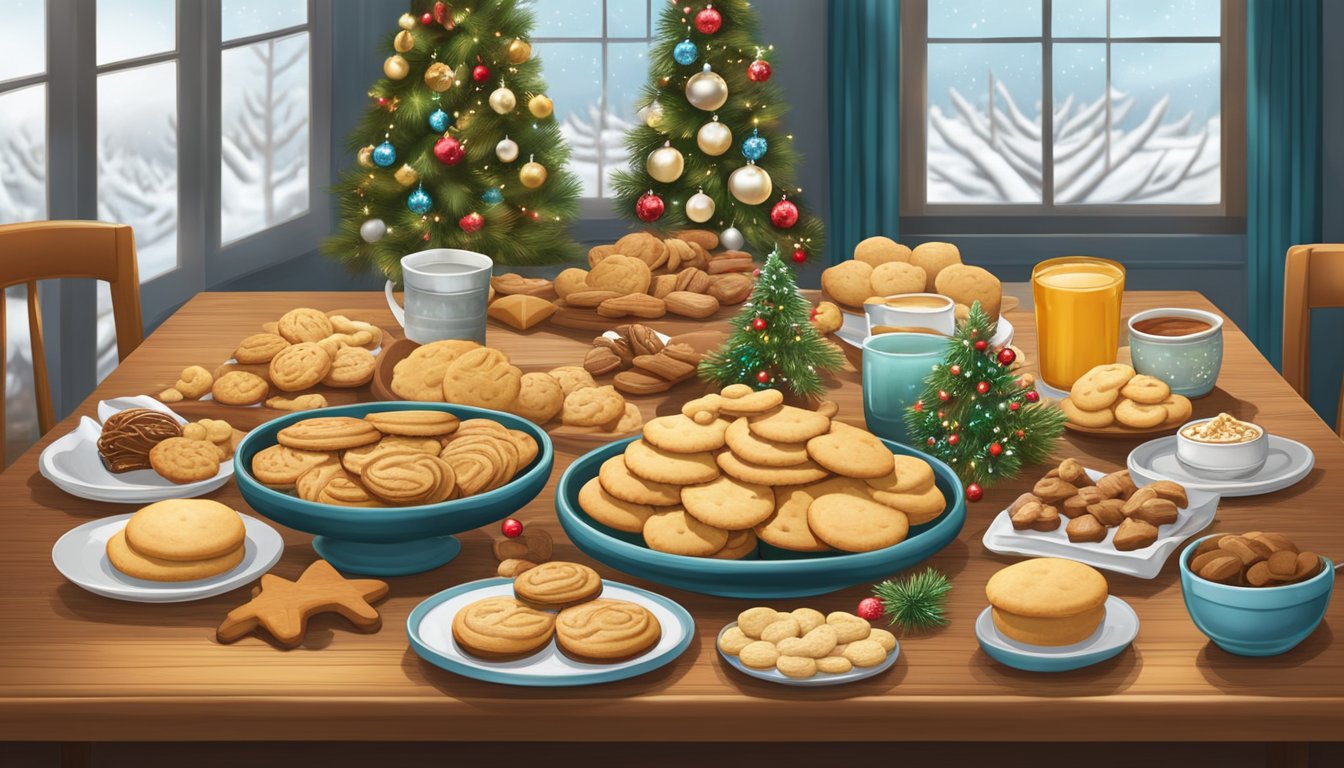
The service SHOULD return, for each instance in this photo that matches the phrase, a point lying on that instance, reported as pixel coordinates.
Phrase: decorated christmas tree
(710, 150)
(976, 415)
(774, 343)
(459, 147)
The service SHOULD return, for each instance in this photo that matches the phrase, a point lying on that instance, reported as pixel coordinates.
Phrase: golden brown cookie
(1138, 415)
(1178, 408)
(592, 406)
(851, 452)
(572, 377)
(414, 423)
(310, 483)
(141, 566)
(621, 274)
(759, 654)
(611, 511)
(1100, 387)
(849, 282)
(408, 478)
(679, 434)
(919, 507)
(739, 545)
(540, 398)
(194, 382)
(967, 285)
(181, 460)
(344, 325)
(1090, 419)
(675, 532)
(185, 530)
(307, 402)
(351, 367)
(909, 474)
(801, 474)
(827, 317)
(605, 631)
(299, 367)
(1148, 390)
(557, 585)
(482, 377)
(481, 462)
(354, 459)
(662, 466)
(728, 503)
(742, 400)
(239, 388)
(304, 325)
(788, 527)
(571, 280)
(617, 480)
(854, 525)
(420, 375)
(878, 250)
(933, 258)
(521, 311)
(502, 628)
(897, 277)
(789, 424)
(279, 466)
(259, 348)
(758, 450)
(328, 433)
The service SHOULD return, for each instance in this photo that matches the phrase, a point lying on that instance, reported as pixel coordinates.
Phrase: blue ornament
(439, 121)
(493, 195)
(384, 155)
(754, 146)
(419, 201)
(685, 53)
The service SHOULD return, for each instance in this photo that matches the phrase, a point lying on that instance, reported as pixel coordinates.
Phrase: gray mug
(446, 291)
(1188, 362)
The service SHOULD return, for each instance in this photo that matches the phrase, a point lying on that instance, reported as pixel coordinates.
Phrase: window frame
(1222, 217)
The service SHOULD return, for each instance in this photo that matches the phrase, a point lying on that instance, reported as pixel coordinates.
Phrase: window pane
(984, 18)
(627, 18)
(567, 18)
(574, 83)
(23, 38)
(984, 123)
(627, 72)
(23, 154)
(105, 343)
(264, 135)
(1078, 18)
(244, 18)
(1080, 118)
(1165, 18)
(137, 160)
(128, 29)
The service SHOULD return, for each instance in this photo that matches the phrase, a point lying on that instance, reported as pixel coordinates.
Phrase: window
(1072, 107)
(595, 65)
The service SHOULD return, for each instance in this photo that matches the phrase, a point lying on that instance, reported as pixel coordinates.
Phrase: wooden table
(77, 667)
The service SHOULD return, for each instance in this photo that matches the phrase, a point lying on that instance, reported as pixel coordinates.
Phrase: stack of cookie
(643, 364)
(561, 600)
(805, 642)
(178, 540)
(395, 458)
(1136, 514)
(1115, 396)
(737, 466)
(883, 267)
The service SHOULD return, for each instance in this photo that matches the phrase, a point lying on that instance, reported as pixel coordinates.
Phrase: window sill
(1100, 225)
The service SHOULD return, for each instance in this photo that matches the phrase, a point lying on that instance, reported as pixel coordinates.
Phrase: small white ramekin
(1222, 460)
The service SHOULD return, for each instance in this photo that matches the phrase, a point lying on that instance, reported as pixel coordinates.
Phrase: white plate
(1289, 461)
(81, 556)
(1144, 563)
(72, 463)
(1119, 627)
(854, 330)
(820, 679)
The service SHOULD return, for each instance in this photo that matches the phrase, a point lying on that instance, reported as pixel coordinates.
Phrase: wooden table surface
(74, 666)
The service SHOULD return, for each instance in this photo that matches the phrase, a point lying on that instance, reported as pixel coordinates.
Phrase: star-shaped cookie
(283, 607)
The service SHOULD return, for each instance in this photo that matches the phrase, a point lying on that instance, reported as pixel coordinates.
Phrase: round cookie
(850, 452)
(1090, 419)
(801, 474)
(865, 653)
(556, 585)
(570, 280)
(834, 665)
(482, 377)
(680, 434)
(351, 367)
(733, 640)
(1138, 415)
(827, 317)
(194, 382)
(414, 423)
(328, 433)
(1147, 390)
(677, 533)
(592, 406)
(796, 666)
(808, 619)
(740, 544)
(919, 507)
(967, 285)
(619, 273)
(182, 460)
(1047, 587)
(299, 367)
(933, 258)
(789, 425)
(1100, 387)
(259, 348)
(728, 503)
(304, 324)
(572, 377)
(279, 466)
(788, 528)
(239, 388)
(185, 530)
(141, 566)
(849, 282)
(611, 511)
(856, 525)
(742, 400)
(759, 655)
(420, 375)
(617, 480)
(354, 459)
(877, 250)
(539, 398)
(1178, 408)
(310, 484)
(501, 628)
(662, 466)
(758, 450)
(897, 277)
(909, 474)
(848, 627)
(605, 631)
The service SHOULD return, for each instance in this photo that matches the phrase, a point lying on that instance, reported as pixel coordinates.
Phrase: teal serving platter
(768, 573)
(391, 541)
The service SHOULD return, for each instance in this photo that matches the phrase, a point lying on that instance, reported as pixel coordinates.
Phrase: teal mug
(1183, 347)
(894, 368)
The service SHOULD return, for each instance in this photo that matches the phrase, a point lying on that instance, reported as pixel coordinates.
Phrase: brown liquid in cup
(1172, 326)
(916, 302)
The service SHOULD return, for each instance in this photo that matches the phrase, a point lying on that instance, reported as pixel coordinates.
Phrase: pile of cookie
(143, 438)
(1115, 396)
(642, 362)
(178, 540)
(883, 267)
(466, 373)
(739, 465)
(1136, 514)
(1253, 559)
(805, 642)
(561, 600)
(392, 458)
(305, 348)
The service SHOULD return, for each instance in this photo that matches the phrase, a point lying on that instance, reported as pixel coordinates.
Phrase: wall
(1327, 354)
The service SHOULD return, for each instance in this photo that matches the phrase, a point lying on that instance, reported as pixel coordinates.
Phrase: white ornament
(750, 184)
(503, 101)
(372, 230)
(706, 90)
(700, 207)
(652, 115)
(506, 150)
(714, 138)
(665, 164)
(731, 239)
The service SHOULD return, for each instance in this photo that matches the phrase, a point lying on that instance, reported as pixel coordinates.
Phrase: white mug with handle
(446, 291)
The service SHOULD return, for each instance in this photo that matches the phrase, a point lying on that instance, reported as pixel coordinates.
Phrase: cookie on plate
(502, 629)
(677, 533)
(185, 530)
(141, 566)
(856, 525)
(557, 585)
(606, 631)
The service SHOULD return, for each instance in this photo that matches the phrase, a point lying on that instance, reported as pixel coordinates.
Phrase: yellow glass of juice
(1077, 315)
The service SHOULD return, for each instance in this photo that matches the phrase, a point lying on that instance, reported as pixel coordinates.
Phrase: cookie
(185, 530)
(1178, 408)
(878, 250)
(420, 375)
(328, 433)
(572, 377)
(592, 406)
(304, 325)
(1148, 390)
(259, 348)
(611, 511)
(307, 402)
(848, 627)
(933, 258)
(834, 665)
(182, 460)
(521, 311)
(883, 638)
(851, 452)
(481, 462)
(739, 545)
(414, 423)
(571, 280)
(557, 585)
(345, 326)
(967, 285)
(733, 639)
(742, 400)
(502, 628)
(788, 424)
(539, 398)
(801, 474)
(617, 480)
(310, 484)
(849, 282)
(851, 524)
(679, 434)
(808, 619)
(909, 474)
(194, 382)
(758, 450)
(279, 466)
(897, 277)
(796, 666)
(1100, 387)
(662, 466)
(865, 653)
(827, 317)
(621, 274)
(919, 507)
(787, 528)
(675, 532)
(815, 643)
(1138, 415)
(759, 655)
(483, 378)
(407, 477)
(239, 388)
(604, 631)
(138, 565)
(351, 367)
(728, 503)
(1091, 419)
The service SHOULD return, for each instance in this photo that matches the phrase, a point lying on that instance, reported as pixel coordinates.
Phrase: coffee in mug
(1171, 326)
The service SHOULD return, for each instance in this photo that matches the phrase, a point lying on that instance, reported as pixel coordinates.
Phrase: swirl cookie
(557, 585)
(182, 460)
(408, 478)
(280, 466)
(299, 367)
(501, 628)
(239, 388)
(604, 631)
(354, 459)
(304, 325)
(350, 367)
(345, 491)
(414, 423)
(482, 377)
(311, 482)
(328, 433)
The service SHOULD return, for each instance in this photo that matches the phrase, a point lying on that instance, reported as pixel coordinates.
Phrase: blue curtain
(1283, 152)
(864, 54)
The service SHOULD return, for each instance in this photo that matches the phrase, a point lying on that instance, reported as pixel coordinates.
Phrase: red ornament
(918, 406)
(708, 21)
(981, 345)
(1033, 396)
(954, 369)
(756, 272)
(974, 492)
(480, 73)
(426, 18)
(1007, 356)
(472, 222)
(942, 395)
(995, 449)
(649, 207)
(799, 256)
(941, 414)
(758, 323)
(870, 608)
(425, 237)
(763, 377)
(930, 441)
(758, 71)
(982, 387)
(442, 15)
(1014, 406)
(813, 314)
(382, 101)
(1021, 434)
(953, 439)
(784, 215)
(511, 528)
(449, 150)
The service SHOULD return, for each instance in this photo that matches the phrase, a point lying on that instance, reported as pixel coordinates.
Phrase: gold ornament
(439, 77)
(406, 22)
(519, 51)
(506, 150)
(540, 106)
(665, 164)
(403, 42)
(700, 207)
(396, 67)
(406, 175)
(532, 174)
(503, 101)
(365, 157)
(652, 115)
(750, 184)
(706, 90)
(714, 138)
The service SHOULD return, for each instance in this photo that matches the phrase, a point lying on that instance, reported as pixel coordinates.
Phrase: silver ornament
(506, 150)
(731, 239)
(700, 207)
(714, 138)
(706, 90)
(372, 230)
(652, 115)
(750, 184)
(503, 101)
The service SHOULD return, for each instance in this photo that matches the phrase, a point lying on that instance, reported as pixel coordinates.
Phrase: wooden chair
(1313, 278)
(48, 250)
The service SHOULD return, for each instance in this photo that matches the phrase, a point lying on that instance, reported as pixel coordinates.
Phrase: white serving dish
(854, 329)
(1221, 461)
(1119, 627)
(1287, 462)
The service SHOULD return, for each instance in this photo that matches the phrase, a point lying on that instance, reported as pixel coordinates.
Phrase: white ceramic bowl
(1221, 460)
(940, 316)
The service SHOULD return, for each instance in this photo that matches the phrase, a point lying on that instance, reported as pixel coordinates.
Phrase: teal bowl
(390, 541)
(1256, 621)
(768, 573)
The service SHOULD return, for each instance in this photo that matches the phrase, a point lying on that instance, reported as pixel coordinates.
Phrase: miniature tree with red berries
(976, 415)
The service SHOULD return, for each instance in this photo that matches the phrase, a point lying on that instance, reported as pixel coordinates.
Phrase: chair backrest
(1313, 278)
(48, 250)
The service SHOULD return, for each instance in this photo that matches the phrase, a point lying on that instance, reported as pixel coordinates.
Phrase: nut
(664, 366)
(693, 280)
(634, 305)
(731, 288)
(689, 304)
(589, 299)
(600, 361)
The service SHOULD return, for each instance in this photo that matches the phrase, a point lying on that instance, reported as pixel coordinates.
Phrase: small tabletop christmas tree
(975, 414)
(775, 343)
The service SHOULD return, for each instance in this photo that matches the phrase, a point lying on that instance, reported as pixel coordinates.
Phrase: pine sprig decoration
(976, 415)
(917, 602)
(774, 343)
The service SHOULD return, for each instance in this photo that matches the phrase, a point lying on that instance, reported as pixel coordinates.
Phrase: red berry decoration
(1032, 396)
(708, 21)
(918, 406)
(1014, 406)
(763, 377)
(472, 222)
(995, 449)
(1021, 434)
(442, 15)
(942, 395)
(758, 323)
(982, 387)
(799, 256)
(870, 608)
(758, 71)
(953, 439)
(981, 345)
(954, 369)
(480, 73)
(649, 207)
(511, 528)
(784, 215)
(382, 101)
(931, 441)
(974, 492)
(426, 19)
(1007, 356)
(449, 150)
